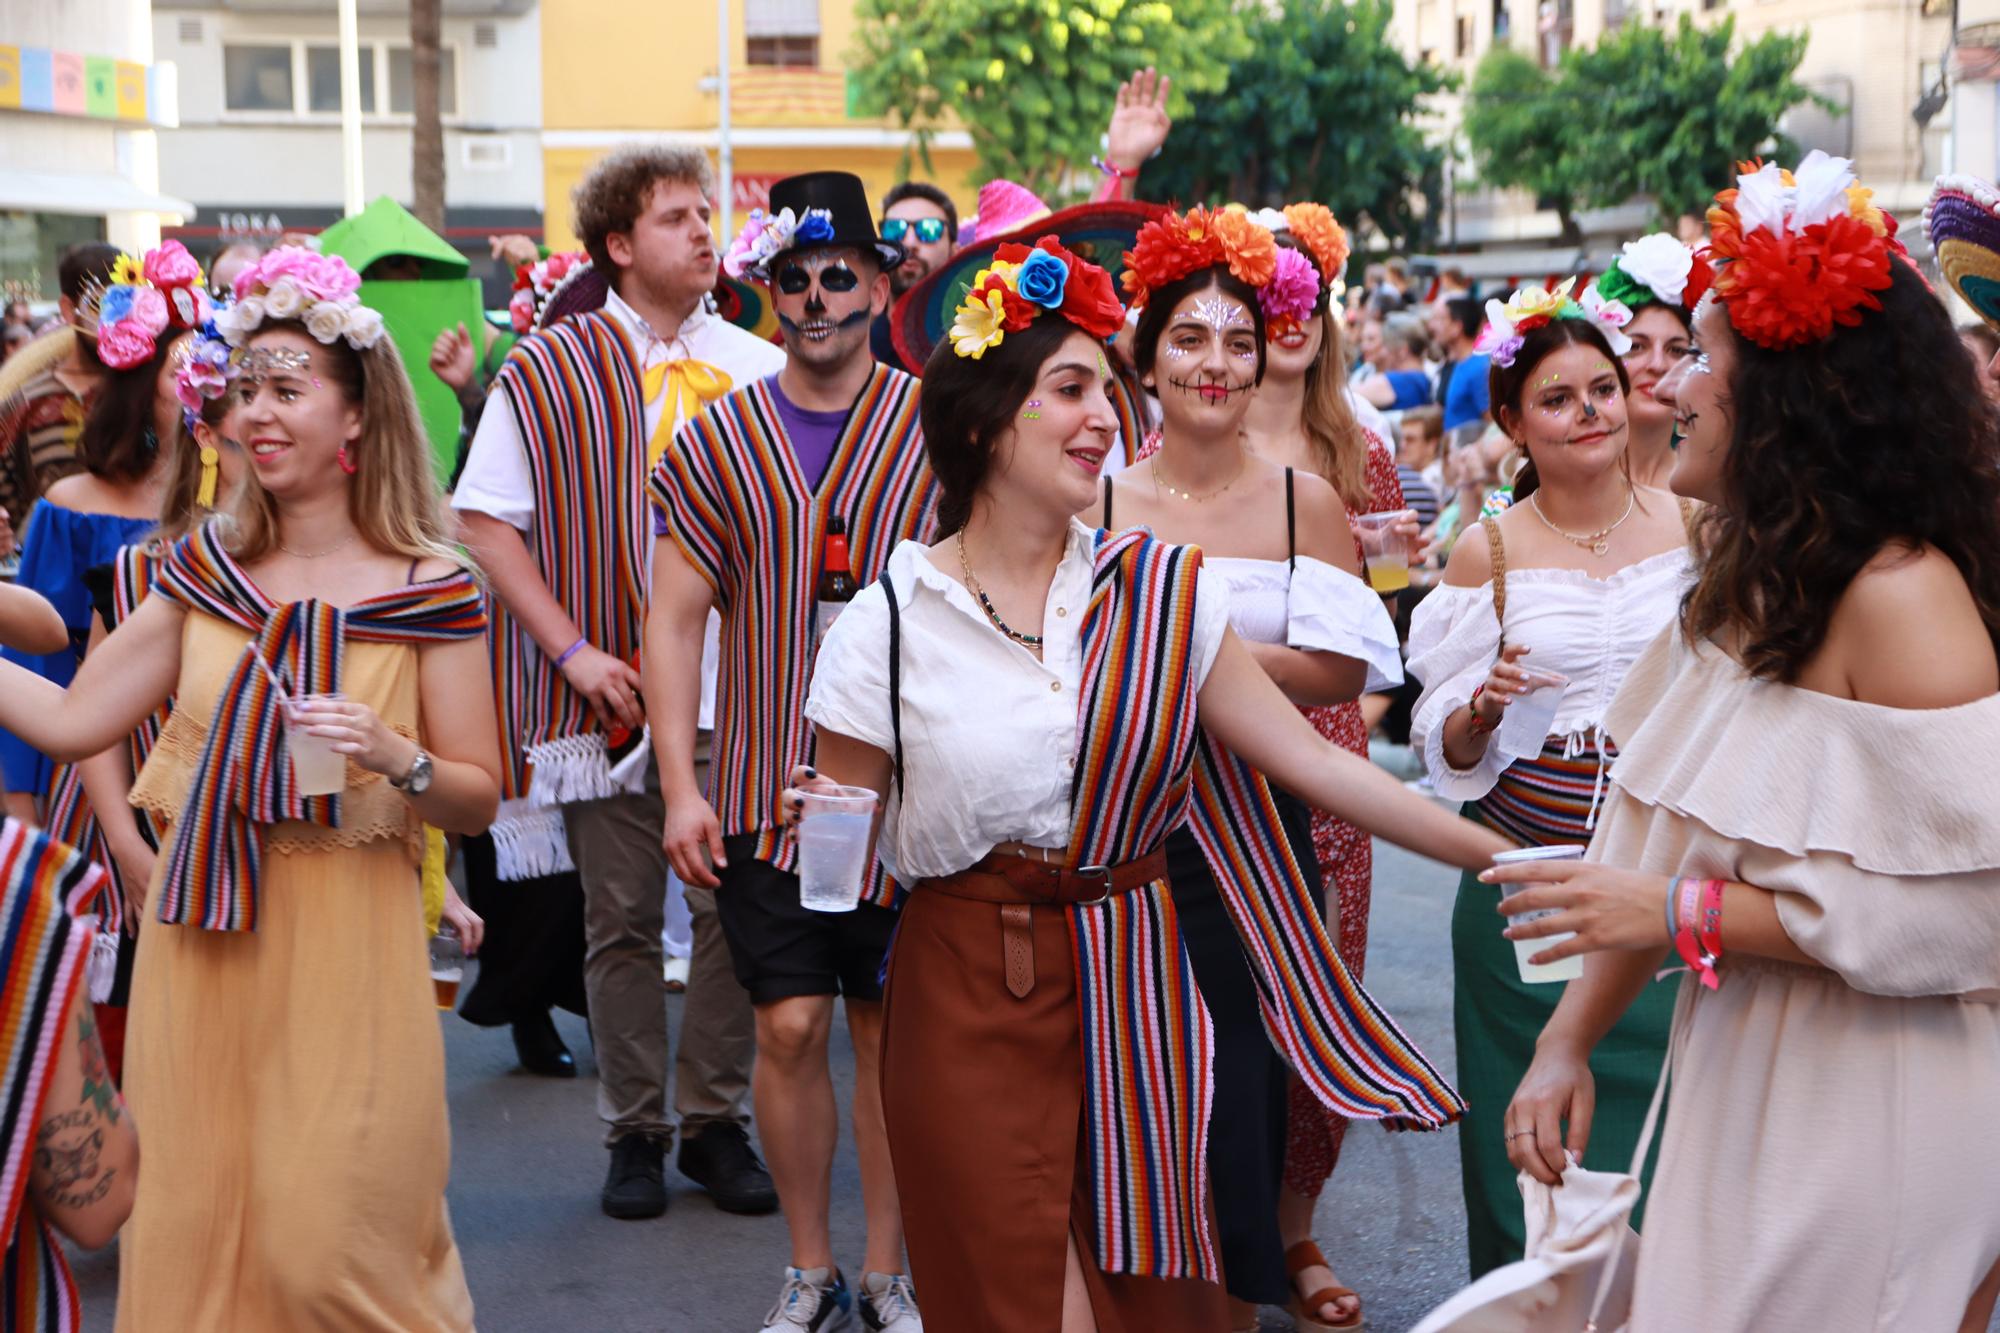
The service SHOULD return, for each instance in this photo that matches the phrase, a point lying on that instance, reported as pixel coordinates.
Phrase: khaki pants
(616, 845)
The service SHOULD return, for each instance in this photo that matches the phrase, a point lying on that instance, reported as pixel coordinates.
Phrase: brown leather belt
(1019, 884)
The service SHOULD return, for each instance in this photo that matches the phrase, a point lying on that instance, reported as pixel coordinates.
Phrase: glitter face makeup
(1547, 380)
(1173, 351)
(1033, 415)
(258, 362)
(1220, 313)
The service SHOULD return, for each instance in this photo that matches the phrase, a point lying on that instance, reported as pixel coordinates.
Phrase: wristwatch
(418, 780)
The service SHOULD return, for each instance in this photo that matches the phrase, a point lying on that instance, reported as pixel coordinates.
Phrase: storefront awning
(88, 193)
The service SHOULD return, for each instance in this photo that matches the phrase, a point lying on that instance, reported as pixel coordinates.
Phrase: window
(323, 79)
(401, 99)
(257, 78)
(784, 52)
(1503, 22)
(1463, 25)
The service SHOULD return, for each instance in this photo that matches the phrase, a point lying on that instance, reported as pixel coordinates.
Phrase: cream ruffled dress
(1829, 1159)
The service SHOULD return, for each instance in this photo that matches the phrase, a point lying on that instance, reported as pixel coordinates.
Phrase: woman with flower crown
(1059, 1180)
(283, 1041)
(1574, 580)
(1658, 279)
(1779, 820)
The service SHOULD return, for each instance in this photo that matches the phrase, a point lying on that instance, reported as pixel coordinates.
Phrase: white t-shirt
(989, 731)
(498, 483)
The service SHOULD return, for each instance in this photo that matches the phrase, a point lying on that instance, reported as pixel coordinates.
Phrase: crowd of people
(1067, 536)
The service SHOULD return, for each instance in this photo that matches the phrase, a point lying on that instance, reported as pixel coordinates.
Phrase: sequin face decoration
(261, 362)
(1031, 414)
(1546, 380)
(1220, 313)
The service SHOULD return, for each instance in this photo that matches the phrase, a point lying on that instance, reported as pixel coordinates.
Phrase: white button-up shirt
(989, 731)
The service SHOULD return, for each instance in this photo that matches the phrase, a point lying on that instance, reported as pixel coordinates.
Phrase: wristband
(1110, 168)
(1479, 725)
(1698, 927)
(1673, 917)
(571, 651)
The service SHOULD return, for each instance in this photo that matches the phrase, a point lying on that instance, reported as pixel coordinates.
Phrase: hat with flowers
(1531, 307)
(535, 283)
(1023, 283)
(294, 283)
(207, 367)
(1656, 270)
(144, 299)
(1176, 244)
(1963, 219)
(1797, 253)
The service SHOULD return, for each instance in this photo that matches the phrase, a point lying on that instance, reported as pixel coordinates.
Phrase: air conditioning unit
(486, 154)
(189, 32)
(485, 36)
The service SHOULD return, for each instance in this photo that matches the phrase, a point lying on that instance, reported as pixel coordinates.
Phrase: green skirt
(1497, 1017)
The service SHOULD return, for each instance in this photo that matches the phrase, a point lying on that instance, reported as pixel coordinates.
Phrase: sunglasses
(929, 230)
(795, 278)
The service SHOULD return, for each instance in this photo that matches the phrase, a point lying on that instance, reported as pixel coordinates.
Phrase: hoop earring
(346, 461)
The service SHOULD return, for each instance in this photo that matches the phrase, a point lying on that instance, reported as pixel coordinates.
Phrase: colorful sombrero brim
(747, 305)
(1963, 221)
(583, 288)
(1100, 233)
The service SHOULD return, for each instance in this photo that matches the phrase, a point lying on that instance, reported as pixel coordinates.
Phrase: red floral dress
(1347, 864)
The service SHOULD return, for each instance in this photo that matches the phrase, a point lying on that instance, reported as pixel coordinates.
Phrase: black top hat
(842, 195)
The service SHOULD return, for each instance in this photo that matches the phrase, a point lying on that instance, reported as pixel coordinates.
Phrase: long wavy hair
(395, 499)
(1334, 438)
(1877, 436)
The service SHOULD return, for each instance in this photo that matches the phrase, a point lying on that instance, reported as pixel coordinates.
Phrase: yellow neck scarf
(690, 386)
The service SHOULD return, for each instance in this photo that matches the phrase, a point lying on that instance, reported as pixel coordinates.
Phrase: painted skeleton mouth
(1209, 391)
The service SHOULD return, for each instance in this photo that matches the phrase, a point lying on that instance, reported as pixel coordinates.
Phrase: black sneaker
(721, 1161)
(636, 1185)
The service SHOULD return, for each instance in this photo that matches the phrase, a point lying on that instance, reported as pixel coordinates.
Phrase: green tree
(1323, 107)
(1033, 80)
(1646, 113)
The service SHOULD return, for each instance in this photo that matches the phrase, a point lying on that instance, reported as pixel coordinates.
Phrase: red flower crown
(1174, 245)
(1798, 253)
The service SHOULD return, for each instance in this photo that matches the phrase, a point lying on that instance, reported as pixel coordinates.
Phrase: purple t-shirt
(811, 434)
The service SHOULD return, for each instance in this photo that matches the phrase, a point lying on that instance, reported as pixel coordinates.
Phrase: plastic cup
(447, 966)
(1524, 727)
(1568, 969)
(833, 847)
(317, 767)
(1385, 552)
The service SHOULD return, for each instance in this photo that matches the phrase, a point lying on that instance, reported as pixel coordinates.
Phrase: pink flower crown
(143, 300)
(292, 282)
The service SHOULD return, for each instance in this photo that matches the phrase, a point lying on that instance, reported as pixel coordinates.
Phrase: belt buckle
(1105, 871)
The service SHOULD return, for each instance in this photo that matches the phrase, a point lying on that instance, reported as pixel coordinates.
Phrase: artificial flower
(1251, 250)
(1609, 316)
(521, 310)
(742, 252)
(115, 304)
(1041, 279)
(149, 311)
(124, 345)
(1167, 249)
(1761, 197)
(979, 324)
(199, 379)
(1315, 227)
(1090, 302)
(319, 277)
(325, 321)
(1819, 190)
(1660, 263)
(1271, 220)
(170, 265)
(1293, 291)
(364, 327)
(284, 300)
(127, 271)
(814, 228)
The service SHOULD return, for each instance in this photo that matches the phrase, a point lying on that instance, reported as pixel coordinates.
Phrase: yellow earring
(205, 496)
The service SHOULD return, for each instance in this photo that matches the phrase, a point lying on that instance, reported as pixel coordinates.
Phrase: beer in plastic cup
(833, 847)
(1524, 727)
(1567, 969)
(1384, 551)
(447, 965)
(317, 767)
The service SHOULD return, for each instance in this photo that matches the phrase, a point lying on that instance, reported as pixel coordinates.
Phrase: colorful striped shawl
(1143, 768)
(576, 395)
(738, 507)
(244, 780)
(46, 894)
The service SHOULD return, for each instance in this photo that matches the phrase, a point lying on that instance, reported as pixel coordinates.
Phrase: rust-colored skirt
(983, 1094)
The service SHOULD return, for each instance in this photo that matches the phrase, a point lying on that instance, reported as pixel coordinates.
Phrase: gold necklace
(341, 545)
(986, 603)
(1160, 483)
(1594, 542)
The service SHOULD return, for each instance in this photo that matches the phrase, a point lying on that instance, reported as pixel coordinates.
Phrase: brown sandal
(1305, 1310)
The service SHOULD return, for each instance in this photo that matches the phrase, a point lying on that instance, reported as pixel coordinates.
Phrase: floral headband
(293, 282)
(1021, 284)
(143, 300)
(1531, 307)
(1315, 227)
(1797, 253)
(765, 236)
(1174, 245)
(535, 283)
(1656, 269)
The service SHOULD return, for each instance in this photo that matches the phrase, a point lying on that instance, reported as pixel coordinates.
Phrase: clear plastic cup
(1568, 969)
(1384, 551)
(319, 769)
(833, 847)
(447, 966)
(1524, 727)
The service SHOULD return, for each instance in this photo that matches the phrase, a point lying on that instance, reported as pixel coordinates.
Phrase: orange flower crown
(1324, 238)
(1797, 253)
(1174, 245)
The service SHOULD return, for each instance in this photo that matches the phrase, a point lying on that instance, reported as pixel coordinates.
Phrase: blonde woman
(284, 1041)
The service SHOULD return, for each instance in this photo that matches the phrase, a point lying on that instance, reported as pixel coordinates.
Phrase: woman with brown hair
(1059, 1181)
(284, 1043)
(1574, 580)
(1786, 815)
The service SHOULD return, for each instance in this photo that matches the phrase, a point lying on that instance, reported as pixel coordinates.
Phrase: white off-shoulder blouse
(989, 731)
(1588, 629)
(1313, 606)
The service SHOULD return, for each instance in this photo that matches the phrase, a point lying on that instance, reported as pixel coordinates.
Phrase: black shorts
(780, 948)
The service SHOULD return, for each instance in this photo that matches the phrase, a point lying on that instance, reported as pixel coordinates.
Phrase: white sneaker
(812, 1301)
(677, 975)
(889, 1304)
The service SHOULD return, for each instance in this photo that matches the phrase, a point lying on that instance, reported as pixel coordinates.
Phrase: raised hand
(1139, 121)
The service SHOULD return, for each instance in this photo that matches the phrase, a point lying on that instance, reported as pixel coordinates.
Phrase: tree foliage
(1033, 80)
(1647, 112)
(1322, 107)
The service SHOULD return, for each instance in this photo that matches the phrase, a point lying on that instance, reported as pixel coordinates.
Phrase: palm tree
(427, 131)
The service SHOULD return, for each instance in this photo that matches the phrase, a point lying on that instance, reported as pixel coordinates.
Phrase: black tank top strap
(1291, 527)
(1107, 506)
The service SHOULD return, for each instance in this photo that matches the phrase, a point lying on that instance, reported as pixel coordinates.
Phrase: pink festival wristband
(1698, 927)
(570, 652)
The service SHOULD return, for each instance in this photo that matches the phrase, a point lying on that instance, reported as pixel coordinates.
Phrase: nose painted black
(815, 304)
(1589, 410)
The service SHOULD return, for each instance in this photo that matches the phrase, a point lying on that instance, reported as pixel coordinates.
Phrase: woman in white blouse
(1280, 539)
(1016, 1206)
(1575, 579)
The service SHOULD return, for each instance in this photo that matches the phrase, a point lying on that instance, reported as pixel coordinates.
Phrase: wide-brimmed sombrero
(1963, 222)
(1100, 233)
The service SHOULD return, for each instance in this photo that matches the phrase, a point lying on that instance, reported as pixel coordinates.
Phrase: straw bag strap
(1498, 548)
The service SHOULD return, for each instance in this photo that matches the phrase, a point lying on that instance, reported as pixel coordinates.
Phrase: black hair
(1467, 312)
(83, 265)
(1505, 384)
(118, 441)
(924, 190)
(1159, 309)
(966, 405)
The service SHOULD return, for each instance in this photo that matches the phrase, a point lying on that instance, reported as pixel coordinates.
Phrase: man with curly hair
(552, 502)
